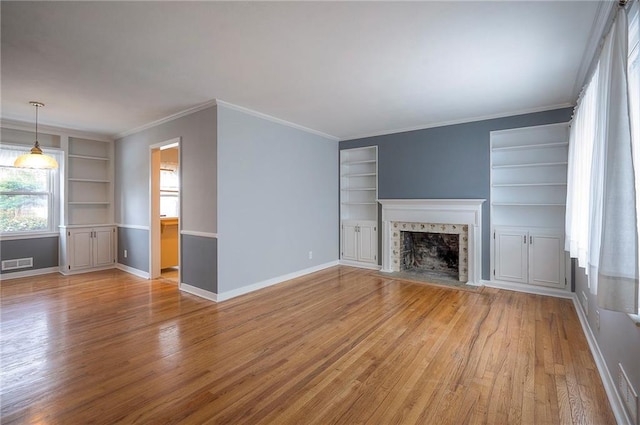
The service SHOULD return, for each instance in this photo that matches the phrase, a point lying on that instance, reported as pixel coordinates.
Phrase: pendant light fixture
(35, 158)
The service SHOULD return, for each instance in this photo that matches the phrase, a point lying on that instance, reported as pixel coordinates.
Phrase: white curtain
(601, 225)
(582, 135)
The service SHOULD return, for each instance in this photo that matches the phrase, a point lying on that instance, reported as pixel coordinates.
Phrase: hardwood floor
(339, 346)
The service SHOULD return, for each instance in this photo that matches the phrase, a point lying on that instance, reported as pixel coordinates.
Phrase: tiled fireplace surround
(457, 216)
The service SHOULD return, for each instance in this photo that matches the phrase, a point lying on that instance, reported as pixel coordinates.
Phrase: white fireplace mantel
(443, 211)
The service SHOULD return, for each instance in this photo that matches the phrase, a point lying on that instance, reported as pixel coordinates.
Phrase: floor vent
(18, 263)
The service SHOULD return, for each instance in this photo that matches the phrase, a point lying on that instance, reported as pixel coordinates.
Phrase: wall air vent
(18, 263)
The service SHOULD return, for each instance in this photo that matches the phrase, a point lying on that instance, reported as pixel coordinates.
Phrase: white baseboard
(610, 386)
(529, 289)
(359, 264)
(270, 282)
(202, 293)
(136, 272)
(28, 273)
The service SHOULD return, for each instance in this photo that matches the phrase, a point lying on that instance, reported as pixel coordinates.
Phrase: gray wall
(136, 242)
(446, 162)
(277, 199)
(198, 165)
(200, 262)
(43, 250)
(618, 337)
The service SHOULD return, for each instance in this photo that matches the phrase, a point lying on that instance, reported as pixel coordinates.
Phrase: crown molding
(50, 129)
(276, 120)
(166, 119)
(460, 121)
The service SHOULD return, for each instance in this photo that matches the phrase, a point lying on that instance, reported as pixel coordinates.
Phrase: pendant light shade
(35, 158)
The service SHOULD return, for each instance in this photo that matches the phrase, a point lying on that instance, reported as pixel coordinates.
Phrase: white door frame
(154, 206)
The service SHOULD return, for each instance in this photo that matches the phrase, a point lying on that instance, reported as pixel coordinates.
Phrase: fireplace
(439, 238)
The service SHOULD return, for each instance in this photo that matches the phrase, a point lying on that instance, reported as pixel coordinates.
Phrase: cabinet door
(367, 243)
(349, 243)
(80, 249)
(546, 259)
(511, 255)
(103, 247)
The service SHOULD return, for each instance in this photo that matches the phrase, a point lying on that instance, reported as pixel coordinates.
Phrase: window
(27, 196)
(604, 153)
(169, 190)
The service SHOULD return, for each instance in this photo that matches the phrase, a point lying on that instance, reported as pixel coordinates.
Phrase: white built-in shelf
(530, 146)
(89, 203)
(368, 161)
(89, 180)
(527, 204)
(528, 184)
(359, 175)
(92, 158)
(359, 183)
(535, 164)
(359, 203)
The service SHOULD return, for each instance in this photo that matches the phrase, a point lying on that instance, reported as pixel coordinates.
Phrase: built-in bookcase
(89, 194)
(359, 183)
(359, 206)
(528, 199)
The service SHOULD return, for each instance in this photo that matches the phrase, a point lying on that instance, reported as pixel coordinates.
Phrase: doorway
(165, 208)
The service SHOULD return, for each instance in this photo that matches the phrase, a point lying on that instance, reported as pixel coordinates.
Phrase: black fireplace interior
(431, 253)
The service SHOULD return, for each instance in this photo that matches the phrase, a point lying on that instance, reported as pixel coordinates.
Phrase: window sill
(31, 235)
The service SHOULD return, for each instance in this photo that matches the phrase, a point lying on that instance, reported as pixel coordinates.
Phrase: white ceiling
(346, 69)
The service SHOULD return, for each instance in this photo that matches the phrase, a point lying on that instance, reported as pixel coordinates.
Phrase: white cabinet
(88, 248)
(360, 241)
(528, 196)
(532, 256)
(359, 206)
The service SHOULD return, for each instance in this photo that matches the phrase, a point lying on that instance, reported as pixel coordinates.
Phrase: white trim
(276, 120)
(459, 121)
(359, 264)
(84, 226)
(28, 273)
(133, 226)
(54, 130)
(609, 384)
(202, 234)
(68, 272)
(527, 288)
(131, 270)
(10, 237)
(270, 282)
(202, 293)
(166, 119)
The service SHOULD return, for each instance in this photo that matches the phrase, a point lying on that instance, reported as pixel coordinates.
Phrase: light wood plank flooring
(339, 346)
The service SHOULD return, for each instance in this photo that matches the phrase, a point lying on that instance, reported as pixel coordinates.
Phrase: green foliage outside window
(24, 200)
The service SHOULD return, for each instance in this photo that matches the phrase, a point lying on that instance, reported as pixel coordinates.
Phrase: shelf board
(93, 158)
(526, 204)
(364, 161)
(535, 164)
(528, 184)
(530, 146)
(89, 180)
(359, 203)
(359, 175)
(89, 203)
(358, 189)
